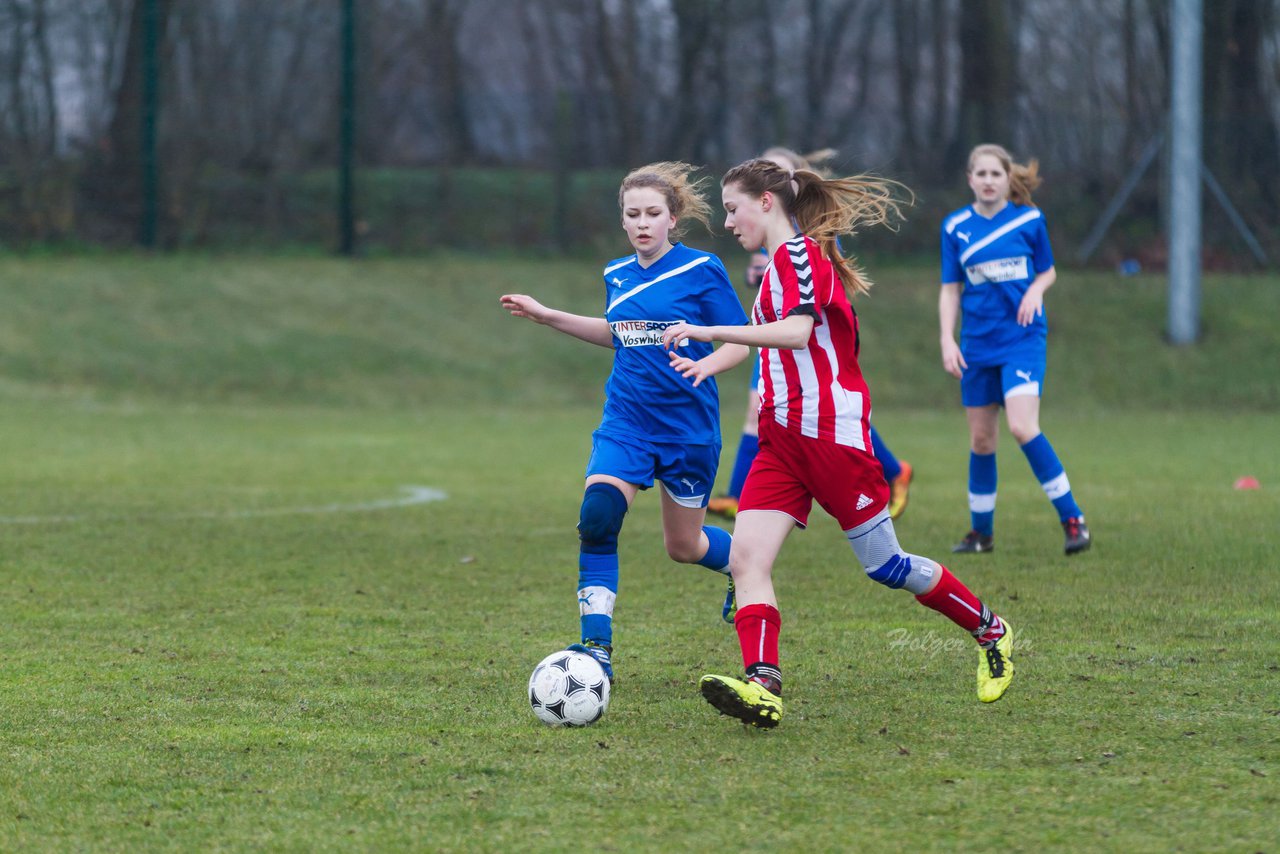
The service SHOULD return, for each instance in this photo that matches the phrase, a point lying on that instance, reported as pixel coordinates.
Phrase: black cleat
(975, 543)
(1077, 535)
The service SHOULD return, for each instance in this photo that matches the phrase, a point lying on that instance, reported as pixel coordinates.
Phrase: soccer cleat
(749, 702)
(975, 543)
(598, 651)
(899, 488)
(723, 505)
(995, 667)
(730, 608)
(1077, 535)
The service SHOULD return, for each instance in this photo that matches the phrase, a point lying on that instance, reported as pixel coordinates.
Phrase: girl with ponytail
(815, 423)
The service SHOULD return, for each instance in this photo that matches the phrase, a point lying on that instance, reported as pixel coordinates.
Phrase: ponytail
(826, 208)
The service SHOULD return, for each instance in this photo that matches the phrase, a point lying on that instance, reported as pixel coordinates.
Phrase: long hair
(683, 194)
(826, 208)
(1023, 178)
(815, 161)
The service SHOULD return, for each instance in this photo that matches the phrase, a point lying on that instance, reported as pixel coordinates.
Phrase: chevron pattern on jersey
(800, 260)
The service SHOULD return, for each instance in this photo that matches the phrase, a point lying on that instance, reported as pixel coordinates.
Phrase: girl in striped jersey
(814, 424)
(996, 267)
(656, 425)
(897, 472)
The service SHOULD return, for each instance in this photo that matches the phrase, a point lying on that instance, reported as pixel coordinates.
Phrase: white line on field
(410, 495)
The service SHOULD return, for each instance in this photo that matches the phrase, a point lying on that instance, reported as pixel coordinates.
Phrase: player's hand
(952, 359)
(676, 334)
(689, 368)
(524, 306)
(1032, 306)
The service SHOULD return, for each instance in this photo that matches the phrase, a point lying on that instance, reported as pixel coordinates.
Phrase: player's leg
(686, 473)
(773, 503)
(757, 699)
(1023, 381)
(616, 471)
(875, 543)
(897, 473)
(983, 426)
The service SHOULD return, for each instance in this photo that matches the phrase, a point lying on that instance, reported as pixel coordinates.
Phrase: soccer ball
(568, 688)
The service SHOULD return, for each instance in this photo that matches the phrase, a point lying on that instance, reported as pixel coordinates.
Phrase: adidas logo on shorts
(863, 501)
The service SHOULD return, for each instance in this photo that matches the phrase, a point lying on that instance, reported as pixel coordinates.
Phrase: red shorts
(792, 470)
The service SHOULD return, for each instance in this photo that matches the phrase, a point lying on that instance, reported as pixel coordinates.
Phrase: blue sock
(748, 447)
(888, 462)
(717, 556)
(1053, 478)
(982, 492)
(597, 590)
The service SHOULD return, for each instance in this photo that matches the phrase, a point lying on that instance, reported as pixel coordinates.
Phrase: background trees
(249, 100)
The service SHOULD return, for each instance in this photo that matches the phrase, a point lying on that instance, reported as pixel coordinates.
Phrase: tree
(987, 65)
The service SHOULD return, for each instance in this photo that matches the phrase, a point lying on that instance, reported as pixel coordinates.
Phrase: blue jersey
(645, 397)
(995, 260)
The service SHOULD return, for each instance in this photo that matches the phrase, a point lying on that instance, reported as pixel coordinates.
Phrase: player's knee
(683, 549)
(1023, 432)
(917, 574)
(600, 519)
(892, 573)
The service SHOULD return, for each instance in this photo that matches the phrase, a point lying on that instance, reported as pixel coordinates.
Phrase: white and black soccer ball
(569, 688)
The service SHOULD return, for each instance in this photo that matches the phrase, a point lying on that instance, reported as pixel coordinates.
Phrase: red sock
(957, 603)
(758, 628)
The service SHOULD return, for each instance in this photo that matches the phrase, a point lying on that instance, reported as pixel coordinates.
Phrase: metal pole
(1187, 26)
(147, 139)
(347, 132)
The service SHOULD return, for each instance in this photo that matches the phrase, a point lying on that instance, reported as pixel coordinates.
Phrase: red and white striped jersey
(817, 391)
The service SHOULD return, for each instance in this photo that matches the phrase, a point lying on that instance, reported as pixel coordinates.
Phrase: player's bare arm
(948, 311)
(718, 362)
(790, 333)
(593, 330)
(1032, 304)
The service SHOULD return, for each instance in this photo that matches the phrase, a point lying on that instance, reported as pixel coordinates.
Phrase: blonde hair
(1023, 178)
(671, 179)
(826, 208)
(815, 161)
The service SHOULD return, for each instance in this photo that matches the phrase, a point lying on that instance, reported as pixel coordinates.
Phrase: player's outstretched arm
(593, 330)
(790, 333)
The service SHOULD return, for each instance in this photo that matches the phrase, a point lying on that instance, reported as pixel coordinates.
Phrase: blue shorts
(983, 385)
(755, 372)
(686, 471)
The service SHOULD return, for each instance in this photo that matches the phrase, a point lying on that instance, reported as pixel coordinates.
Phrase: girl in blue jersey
(897, 473)
(996, 266)
(657, 425)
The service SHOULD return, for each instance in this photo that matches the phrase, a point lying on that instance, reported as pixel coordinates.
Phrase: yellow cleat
(995, 667)
(723, 505)
(899, 489)
(749, 702)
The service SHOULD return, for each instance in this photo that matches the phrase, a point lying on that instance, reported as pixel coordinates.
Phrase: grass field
(226, 625)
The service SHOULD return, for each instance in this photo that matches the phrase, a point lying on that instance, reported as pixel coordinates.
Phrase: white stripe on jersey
(624, 262)
(621, 298)
(1027, 217)
(957, 219)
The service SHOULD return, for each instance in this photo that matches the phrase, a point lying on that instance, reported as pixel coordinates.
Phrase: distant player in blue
(657, 425)
(996, 266)
(897, 473)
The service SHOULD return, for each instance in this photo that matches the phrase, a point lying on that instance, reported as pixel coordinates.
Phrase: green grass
(195, 655)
